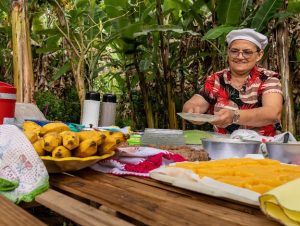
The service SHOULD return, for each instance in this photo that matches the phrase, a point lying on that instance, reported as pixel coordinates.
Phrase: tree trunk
(77, 62)
(147, 104)
(22, 56)
(283, 56)
(164, 47)
(131, 102)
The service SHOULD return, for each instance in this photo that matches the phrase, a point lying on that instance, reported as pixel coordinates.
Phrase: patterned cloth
(136, 161)
(23, 174)
(219, 92)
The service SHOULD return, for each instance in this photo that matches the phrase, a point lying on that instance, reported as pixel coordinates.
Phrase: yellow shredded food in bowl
(260, 175)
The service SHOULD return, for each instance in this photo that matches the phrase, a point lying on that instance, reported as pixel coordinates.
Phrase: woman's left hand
(224, 118)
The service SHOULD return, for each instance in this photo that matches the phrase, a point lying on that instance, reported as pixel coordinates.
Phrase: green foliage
(229, 11)
(57, 108)
(294, 6)
(265, 12)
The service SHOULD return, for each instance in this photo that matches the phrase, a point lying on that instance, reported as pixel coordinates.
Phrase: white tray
(187, 179)
(195, 117)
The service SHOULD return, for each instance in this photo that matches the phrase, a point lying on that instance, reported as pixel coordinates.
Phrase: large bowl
(58, 165)
(222, 148)
(284, 152)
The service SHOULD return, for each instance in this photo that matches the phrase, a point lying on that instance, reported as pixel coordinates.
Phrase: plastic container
(91, 109)
(7, 103)
(27, 111)
(108, 110)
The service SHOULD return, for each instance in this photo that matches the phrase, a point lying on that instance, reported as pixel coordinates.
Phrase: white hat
(247, 34)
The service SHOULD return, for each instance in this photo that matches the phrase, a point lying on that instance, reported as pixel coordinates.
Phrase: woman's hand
(197, 104)
(224, 118)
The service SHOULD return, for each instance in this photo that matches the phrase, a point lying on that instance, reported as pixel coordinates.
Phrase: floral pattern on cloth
(137, 161)
(219, 92)
(20, 164)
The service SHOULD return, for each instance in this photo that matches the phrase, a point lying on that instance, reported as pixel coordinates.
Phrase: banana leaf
(217, 32)
(265, 13)
(228, 12)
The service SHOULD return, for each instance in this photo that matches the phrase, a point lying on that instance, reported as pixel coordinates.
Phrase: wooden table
(147, 201)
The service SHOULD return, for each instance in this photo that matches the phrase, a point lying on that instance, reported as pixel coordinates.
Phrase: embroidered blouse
(219, 92)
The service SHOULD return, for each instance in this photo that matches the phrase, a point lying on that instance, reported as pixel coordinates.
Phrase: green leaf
(81, 3)
(177, 4)
(265, 13)
(298, 56)
(48, 32)
(228, 12)
(119, 79)
(147, 11)
(5, 6)
(144, 65)
(217, 32)
(153, 28)
(294, 6)
(52, 41)
(64, 69)
(47, 50)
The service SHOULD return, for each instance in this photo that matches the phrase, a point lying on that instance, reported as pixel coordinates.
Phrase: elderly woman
(242, 96)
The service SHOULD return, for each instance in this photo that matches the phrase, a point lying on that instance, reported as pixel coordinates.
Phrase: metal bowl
(284, 152)
(222, 148)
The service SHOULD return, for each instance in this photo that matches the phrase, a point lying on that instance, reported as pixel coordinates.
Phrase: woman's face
(242, 56)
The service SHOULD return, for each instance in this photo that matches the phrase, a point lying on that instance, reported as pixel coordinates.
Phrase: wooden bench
(13, 215)
(77, 211)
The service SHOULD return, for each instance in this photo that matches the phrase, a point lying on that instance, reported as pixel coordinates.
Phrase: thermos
(108, 110)
(91, 109)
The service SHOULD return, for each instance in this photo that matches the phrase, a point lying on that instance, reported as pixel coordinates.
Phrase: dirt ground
(49, 217)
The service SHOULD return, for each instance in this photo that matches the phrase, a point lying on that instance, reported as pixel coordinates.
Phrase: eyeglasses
(245, 53)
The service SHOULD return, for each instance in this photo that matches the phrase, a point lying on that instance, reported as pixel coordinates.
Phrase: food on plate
(99, 136)
(39, 147)
(86, 148)
(187, 152)
(70, 139)
(31, 126)
(56, 140)
(110, 144)
(51, 141)
(57, 127)
(61, 152)
(31, 136)
(260, 175)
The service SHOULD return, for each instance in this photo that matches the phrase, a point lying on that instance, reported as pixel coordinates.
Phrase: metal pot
(221, 148)
(284, 152)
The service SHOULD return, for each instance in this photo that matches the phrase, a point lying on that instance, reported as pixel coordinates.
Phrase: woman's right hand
(197, 104)
(191, 107)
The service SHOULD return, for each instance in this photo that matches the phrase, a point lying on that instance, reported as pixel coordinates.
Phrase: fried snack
(259, 175)
(187, 152)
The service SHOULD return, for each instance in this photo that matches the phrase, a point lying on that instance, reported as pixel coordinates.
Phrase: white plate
(197, 117)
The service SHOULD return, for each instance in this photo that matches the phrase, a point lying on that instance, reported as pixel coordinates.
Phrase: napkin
(137, 161)
(23, 174)
(283, 203)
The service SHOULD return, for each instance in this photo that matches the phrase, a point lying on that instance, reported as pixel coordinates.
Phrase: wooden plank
(139, 187)
(90, 175)
(255, 210)
(77, 211)
(13, 215)
(152, 205)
